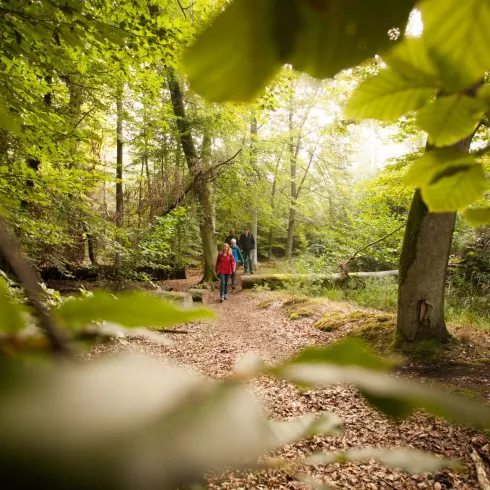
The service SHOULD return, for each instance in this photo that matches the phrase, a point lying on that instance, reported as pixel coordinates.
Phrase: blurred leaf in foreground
(405, 459)
(393, 396)
(234, 58)
(129, 310)
(132, 423)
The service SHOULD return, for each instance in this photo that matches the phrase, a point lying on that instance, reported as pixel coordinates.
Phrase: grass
(462, 307)
(372, 293)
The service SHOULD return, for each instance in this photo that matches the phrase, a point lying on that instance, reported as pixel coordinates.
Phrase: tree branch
(208, 176)
(30, 281)
(375, 242)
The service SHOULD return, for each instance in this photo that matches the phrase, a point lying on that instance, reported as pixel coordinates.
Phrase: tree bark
(119, 169)
(273, 195)
(202, 188)
(293, 154)
(423, 268)
(253, 162)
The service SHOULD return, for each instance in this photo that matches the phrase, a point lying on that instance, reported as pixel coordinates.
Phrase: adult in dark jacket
(247, 246)
(231, 236)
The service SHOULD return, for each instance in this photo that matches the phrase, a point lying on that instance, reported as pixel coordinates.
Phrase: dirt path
(242, 326)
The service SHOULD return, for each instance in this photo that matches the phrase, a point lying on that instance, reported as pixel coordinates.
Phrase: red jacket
(225, 264)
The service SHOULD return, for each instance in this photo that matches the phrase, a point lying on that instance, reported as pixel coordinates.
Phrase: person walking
(231, 236)
(247, 246)
(237, 255)
(225, 266)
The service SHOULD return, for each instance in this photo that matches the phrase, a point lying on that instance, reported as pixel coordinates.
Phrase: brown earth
(257, 322)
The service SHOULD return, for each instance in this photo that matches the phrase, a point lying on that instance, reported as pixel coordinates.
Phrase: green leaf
(409, 460)
(246, 45)
(129, 310)
(287, 432)
(449, 119)
(393, 396)
(455, 187)
(457, 32)
(387, 96)
(477, 216)
(11, 314)
(8, 120)
(411, 59)
(334, 36)
(130, 419)
(423, 171)
(235, 58)
(348, 352)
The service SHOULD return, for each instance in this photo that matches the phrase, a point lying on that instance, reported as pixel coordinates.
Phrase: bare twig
(480, 469)
(375, 242)
(207, 176)
(30, 281)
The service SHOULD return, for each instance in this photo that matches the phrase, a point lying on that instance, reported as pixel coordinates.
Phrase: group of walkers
(234, 253)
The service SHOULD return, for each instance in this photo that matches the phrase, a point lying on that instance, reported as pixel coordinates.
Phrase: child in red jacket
(225, 266)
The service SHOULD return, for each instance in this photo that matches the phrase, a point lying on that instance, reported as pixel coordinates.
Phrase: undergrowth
(463, 306)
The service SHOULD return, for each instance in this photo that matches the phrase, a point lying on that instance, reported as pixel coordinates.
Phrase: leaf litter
(243, 327)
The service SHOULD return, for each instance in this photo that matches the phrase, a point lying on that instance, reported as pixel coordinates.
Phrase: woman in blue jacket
(238, 260)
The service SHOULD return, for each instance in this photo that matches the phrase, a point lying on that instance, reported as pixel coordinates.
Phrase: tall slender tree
(196, 166)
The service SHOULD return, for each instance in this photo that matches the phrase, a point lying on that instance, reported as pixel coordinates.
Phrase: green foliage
(447, 119)
(11, 314)
(448, 178)
(343, 353)
(477, 216)
(387, 96)
(129, 310)
(457, 35)
(225, 67)
(373, 293)
(155, 249)
(318, 38)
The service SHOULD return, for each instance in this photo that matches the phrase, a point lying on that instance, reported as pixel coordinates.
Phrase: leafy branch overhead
(317, 37)
(434, 75)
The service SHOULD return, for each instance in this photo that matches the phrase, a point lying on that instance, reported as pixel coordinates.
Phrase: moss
(295, 301)
(333, 321)
(301, 313)
(266, 303)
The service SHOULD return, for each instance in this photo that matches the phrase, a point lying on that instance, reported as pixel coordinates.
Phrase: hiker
(225, 267)
(231, 236)
(237, 255)
(247, 246)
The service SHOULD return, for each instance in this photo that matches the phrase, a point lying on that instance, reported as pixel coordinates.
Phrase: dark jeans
(223, 285)
(233, 278)
(248, 260)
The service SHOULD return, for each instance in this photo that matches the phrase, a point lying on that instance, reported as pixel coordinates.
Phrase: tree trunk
(253, 162)
(291, 229)
(195, 166)
(119, 169)
(423, 267)
(293, 155)
(91, 249)
(273, 195)
(207, 224)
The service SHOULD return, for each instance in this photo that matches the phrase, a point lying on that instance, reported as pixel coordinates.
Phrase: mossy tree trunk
(195, 165)
(423, 268)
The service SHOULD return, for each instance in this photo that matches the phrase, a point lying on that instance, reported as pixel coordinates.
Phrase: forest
(351, 138)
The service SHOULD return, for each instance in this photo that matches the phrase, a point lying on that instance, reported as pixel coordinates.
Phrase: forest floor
(266, 323)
